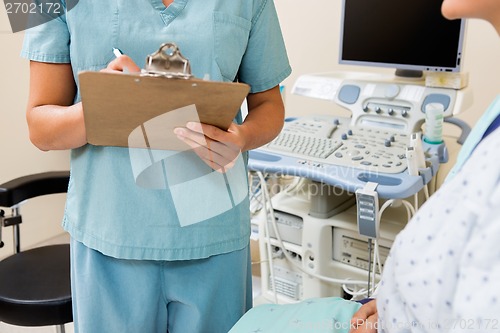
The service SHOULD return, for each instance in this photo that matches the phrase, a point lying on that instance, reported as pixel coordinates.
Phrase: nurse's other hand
(217, 148)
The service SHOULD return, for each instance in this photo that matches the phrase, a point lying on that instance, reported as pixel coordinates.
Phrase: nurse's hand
(365, 319)
(122, 64)
(217, 148)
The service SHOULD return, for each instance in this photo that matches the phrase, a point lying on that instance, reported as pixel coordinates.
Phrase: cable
(376, 263)
(255, 194)
(369, 265)
(409, 208)
(416, 196)
(426, 193)
(376, 253)
(280, 242)
(258, 262)
(265, 194)
(297, 184)
(384, 207)
(373, 290)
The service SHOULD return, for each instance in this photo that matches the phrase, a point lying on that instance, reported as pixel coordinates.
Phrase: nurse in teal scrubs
(135, 266)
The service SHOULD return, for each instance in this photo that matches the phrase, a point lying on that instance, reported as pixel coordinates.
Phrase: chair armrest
(23, 188)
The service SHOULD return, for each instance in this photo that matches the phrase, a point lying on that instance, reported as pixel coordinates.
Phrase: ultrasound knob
(387, 143)
(378, 109)
(366, 108)
(391, 91)
(404, 113)
(390, 111)
(344, 136)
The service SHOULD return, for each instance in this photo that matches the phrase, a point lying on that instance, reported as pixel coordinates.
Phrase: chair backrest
(17, 190)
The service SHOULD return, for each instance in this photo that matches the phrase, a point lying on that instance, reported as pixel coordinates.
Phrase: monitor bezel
(404, 69)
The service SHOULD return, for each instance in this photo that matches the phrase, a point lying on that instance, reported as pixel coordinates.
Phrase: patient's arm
(365, 319)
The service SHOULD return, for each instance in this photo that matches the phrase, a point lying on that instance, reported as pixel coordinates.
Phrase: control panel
(397, 106)
(334, 141)
(289, 227)
(382, 101)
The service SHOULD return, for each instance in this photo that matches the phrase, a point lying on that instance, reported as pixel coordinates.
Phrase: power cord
(270, 216)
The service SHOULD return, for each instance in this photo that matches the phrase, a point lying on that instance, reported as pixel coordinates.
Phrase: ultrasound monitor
(411, 36)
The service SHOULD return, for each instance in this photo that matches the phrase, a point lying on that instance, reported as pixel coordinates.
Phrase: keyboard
(335, 142)
(305, 145)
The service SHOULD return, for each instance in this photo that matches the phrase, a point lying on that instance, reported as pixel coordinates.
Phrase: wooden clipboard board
(115, 105)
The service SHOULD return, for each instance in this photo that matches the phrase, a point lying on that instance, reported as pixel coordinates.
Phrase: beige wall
(311, 33)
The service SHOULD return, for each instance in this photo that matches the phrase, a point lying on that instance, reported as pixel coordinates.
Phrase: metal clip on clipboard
(167, 62)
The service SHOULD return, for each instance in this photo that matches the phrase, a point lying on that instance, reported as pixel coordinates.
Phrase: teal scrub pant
(141, 296)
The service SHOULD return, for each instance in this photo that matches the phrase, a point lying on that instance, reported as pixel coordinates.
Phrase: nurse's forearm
(264, 120)
(53, 127)
(261, 127)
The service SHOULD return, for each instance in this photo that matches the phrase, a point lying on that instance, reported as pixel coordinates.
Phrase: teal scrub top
(162, 205)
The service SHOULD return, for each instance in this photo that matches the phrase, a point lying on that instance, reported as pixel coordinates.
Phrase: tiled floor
(5, 328)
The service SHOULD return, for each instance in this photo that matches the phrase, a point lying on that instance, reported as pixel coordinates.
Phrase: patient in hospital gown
(443, 272)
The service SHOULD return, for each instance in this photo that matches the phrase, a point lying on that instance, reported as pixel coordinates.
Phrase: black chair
(34, 284)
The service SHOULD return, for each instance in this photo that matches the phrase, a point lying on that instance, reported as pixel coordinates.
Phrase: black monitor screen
(403, 34)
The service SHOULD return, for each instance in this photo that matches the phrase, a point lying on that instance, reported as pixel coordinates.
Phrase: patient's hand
(365, 319)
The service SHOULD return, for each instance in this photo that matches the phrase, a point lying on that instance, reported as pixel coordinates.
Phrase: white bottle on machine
(434, 117)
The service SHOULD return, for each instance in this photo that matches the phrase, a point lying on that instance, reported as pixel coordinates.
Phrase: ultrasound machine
(353, 182)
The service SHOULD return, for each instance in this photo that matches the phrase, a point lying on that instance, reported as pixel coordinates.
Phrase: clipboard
(148, 106)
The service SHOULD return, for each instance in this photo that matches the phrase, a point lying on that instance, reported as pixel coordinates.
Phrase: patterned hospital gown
(443, 274)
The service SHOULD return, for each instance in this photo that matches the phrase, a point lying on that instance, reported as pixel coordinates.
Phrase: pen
(117, 52)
